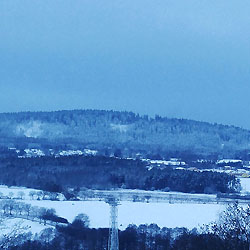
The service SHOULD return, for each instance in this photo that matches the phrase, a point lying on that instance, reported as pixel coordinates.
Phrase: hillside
(123, 131)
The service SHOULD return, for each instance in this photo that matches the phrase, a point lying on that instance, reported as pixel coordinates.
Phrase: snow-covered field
(168, 215)
(14, 192)
(245, 183)
(5, 190)
(164, 214)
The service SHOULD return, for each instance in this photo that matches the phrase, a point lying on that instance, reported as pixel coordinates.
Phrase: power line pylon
(113, 243)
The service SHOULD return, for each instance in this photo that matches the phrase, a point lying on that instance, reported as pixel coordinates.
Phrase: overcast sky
(182, 58)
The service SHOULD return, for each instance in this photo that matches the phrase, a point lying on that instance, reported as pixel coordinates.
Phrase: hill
(122, 133)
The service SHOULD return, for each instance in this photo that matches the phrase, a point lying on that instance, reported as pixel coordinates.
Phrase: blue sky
(188, 59)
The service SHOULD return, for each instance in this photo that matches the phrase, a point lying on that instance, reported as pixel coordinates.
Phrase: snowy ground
(15, 192)
(21, 225)
(5, 190)
(168, 215)
(245, 183)
(164, 214)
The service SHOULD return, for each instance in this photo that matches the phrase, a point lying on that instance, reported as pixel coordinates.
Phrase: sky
(185, 59)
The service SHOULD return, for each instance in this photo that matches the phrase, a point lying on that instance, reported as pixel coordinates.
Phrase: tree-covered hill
(122, 130)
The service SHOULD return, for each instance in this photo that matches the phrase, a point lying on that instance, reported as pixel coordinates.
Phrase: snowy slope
(25, 225)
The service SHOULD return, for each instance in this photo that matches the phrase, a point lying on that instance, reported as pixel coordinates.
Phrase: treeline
(230, 232)
(57, 174)
(75, 236)
(143, 237)
(129, 132)
(18, 209)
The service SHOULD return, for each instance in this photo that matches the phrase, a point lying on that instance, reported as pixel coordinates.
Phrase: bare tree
(233, 225)
(53, 196)
(39, 195)
(47, 235)
(42, 211)
(16, 205)
(135, 198)
(14, 237)
(2, 202)
(27, 208)
(11, 194)
(21, 194)
(5, 206)
(32, 194)
(147, 197)
(44, 194)
(34, 212)
(11, 205)
(19, 207)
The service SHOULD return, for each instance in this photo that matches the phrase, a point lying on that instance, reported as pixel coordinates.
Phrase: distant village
(236, 167)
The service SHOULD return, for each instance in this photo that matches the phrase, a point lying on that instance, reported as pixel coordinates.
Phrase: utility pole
(113, 243)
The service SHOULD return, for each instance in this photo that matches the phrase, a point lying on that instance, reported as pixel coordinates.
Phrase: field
(163, 214)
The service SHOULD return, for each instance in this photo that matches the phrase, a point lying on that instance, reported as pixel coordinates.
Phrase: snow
(129, 192)
(90, 152)
(228, 161)
(98, 211)
(245, 183)
(168, 163)
(70, 152)
(33, 152)
(172, 162)
(26, 226)
(77, 152)
(168, 215)
(5, 190)
(163, 214)
(30, 129)
(122, 128)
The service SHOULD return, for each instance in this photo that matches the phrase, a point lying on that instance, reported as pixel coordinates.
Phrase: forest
(126, 131)
(58, 174)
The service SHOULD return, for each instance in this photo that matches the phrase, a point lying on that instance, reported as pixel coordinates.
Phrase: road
(155, 196)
